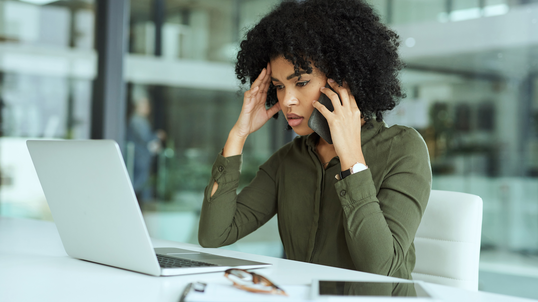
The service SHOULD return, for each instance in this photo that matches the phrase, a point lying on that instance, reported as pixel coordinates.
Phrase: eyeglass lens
(250, 280)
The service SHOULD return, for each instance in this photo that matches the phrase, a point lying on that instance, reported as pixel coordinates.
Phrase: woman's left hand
(345, 123)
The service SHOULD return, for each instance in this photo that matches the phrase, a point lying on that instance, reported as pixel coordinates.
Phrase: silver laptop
(94, 206)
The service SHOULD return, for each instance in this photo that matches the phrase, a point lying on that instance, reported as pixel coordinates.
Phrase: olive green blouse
(365, 222)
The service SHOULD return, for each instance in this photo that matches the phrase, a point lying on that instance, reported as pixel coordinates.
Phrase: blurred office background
(158, 76)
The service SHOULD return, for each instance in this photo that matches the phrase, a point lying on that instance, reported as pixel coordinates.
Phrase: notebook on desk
(95, 209)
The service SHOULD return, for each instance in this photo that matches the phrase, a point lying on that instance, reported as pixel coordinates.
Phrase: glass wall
(184, 93)
(471, 85)
(47, 64)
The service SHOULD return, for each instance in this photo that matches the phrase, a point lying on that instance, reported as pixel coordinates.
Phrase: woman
(365, 221)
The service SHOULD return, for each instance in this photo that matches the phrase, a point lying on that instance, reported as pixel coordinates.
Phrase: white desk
(35, 267)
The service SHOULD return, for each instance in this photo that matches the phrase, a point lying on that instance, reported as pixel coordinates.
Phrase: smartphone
(327, 290)
(318, 122)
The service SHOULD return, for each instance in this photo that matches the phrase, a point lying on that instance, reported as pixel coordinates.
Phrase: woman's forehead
(281, 68)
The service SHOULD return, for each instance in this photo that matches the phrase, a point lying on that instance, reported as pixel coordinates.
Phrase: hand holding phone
(318, 122)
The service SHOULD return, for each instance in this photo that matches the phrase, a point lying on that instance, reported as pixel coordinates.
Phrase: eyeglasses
(252, 282)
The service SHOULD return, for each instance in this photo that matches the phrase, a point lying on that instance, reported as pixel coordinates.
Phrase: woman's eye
(302, 84)
(279, 87)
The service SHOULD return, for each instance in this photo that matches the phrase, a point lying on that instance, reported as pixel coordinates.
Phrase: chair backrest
(447, 242)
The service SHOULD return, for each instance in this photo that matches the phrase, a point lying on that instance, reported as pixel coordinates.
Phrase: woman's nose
(290, 99)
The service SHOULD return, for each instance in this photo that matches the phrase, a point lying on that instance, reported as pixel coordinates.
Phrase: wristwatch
(354, 169)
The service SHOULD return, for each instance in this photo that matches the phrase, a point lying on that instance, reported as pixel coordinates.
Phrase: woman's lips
(294, 120)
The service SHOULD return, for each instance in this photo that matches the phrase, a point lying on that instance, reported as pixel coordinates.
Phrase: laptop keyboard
(170, 262)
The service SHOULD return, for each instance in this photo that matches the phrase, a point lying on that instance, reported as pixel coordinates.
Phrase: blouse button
(343, 193)
(221, 168)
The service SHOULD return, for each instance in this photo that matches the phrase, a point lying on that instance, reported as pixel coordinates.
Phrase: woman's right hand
(253, 113)
(253, 116)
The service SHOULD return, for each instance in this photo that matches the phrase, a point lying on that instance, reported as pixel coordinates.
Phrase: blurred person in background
(145, 142)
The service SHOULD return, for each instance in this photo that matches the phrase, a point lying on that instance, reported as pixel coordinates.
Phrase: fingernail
(330, 80)
(322, 88)
(314, 101)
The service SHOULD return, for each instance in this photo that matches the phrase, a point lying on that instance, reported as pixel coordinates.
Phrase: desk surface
(35, 267)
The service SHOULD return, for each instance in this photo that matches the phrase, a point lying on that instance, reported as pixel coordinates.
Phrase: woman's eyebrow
(291, 76)
(296, 74)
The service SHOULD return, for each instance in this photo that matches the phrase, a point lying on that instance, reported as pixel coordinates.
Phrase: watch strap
(357, 167)
(344, 174)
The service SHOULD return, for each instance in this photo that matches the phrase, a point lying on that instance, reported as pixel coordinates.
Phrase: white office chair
(447, 242)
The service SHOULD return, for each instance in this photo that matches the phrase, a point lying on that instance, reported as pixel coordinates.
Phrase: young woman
(353, 204)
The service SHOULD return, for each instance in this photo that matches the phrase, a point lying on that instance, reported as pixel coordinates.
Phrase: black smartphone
(318, 122)
(321, 288)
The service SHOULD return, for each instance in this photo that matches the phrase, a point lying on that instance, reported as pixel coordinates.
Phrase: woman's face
(296, 92)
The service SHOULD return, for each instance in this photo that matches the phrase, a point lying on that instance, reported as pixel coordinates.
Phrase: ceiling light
(410, 42)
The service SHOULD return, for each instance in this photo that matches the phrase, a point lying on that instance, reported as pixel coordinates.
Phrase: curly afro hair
(343, 39)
